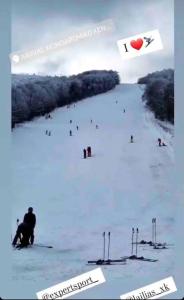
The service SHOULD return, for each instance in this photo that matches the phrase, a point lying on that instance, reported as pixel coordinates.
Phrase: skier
(116, 101)
(49, 133)
(96, 126)
(131, 139)
(23, 234)
(30, 220)
(159, 142)
(70, 121)
(46, 132)
(89, 151)
(70, 133)
(91, 121)
(84, 152)
(77, 127)
(124, 110)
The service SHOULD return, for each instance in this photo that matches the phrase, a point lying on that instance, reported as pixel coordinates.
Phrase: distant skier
(96, 126)
(116, 101)
(49, 133)
(84, 153)
(91, 121)
(89, 151)
(46, 132)
(159, 142)
(124, 110)
(131, 139)
(70, 121)
(77, 127)
(70, 133)
(30, 220)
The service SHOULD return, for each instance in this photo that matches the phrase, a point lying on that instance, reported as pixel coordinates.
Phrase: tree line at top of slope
(159, 93)
(34, 95)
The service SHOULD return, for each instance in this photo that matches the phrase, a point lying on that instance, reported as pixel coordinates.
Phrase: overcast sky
(39, 22)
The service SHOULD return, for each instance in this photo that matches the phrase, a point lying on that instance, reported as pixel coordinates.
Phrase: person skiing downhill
(70, 121)
(30, 220)
(77, 127)
(131, 139)
(70, 133)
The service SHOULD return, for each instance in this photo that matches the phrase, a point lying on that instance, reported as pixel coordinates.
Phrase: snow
(122, 186)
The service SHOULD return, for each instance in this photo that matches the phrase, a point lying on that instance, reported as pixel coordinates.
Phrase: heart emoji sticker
(136, 44)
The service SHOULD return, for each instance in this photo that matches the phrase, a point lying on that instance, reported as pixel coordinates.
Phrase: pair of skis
(135, 233)
(107, 261)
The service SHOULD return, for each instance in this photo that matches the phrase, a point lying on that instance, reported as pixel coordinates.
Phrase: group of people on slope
(87, 152)
(25, 231)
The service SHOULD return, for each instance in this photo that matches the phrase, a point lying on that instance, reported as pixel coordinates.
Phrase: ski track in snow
(122, 186)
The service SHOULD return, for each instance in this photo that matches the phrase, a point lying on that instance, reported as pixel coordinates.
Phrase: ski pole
(155, 231)
(104, 246)
(132, 241)
(137, 232)
(109, 235)
(17, 227)
(152, 231)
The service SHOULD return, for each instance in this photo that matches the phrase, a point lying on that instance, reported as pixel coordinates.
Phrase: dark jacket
(30, 219)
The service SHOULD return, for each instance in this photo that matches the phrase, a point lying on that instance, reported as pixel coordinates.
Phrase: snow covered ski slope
(123, 185)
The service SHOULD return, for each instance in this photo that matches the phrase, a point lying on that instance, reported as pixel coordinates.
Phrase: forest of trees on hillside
(159, 93)
(34, 95)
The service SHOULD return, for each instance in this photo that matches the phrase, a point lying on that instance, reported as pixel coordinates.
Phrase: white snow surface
(123, 185)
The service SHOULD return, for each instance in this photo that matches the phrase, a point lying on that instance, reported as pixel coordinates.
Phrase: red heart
(136, 44)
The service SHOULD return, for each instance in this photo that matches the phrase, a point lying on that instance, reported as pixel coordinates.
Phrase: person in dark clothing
(23, 234)
(70, 133)
(131, 139)
(89, 151)
(124, 110)
(46, 132)
(159, 142)
(84, 152)
(77, 127)
(30, 220)
(70, 121)
(96, 126)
